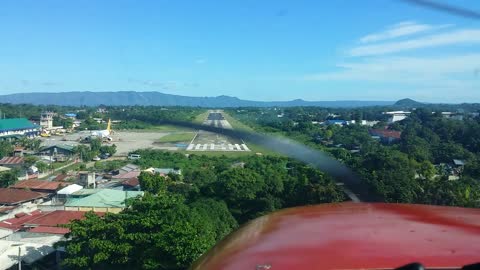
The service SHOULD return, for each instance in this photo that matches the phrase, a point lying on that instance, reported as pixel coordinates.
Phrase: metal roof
(458, 162)
(15, 196)
(16, 124)
(11, 160)
(67, 147)
(104, 198)
(40, 185)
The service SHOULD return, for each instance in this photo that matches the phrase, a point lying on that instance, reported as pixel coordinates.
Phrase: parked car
(96, 159)
(134, 156)
(104, 156)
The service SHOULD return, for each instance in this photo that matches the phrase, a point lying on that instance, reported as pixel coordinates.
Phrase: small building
(385, 135)
(18, 151)
(86, 179)
(13, 197)
(131, 184)
(104, 200)
(71, 115)
(12, 162)
(44, 186)
(15, 128)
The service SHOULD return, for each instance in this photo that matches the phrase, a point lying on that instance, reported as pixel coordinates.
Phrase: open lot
(126, 141)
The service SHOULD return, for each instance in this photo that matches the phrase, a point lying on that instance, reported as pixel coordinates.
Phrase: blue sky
(260, 50)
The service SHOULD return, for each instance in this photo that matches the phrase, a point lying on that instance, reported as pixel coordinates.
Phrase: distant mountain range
(130, 98)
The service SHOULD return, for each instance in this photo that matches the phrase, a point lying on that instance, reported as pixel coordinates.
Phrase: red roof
(17, 222)
(132, 182)
(51, 230)
(11, 160)
(55, 218)
(16, 196)
(46, 222)
(39, 185)
(386, 133)
(351, 236)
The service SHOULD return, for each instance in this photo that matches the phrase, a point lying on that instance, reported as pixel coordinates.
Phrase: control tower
(46, 120)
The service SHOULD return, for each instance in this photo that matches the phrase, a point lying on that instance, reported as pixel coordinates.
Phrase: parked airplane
(103, 134)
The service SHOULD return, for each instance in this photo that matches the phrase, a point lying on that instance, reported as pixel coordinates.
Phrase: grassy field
(201, 117)
(254, 147)
(236, 124)
(166, 128)
(177, 137)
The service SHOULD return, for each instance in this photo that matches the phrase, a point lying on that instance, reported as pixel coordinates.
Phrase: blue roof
(71, 115)
(336, 122)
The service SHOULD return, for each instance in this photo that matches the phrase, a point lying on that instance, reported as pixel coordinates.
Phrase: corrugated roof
(39, 185)
(56, 218)
(17, 222)
(11, 160)
(104, 198)
(50, 230)
(44, 222)
(16, 124)
(15, 196)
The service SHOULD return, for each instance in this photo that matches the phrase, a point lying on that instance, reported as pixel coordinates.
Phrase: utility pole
(19, 258)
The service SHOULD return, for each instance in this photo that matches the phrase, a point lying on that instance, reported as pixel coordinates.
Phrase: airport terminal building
(15, 128)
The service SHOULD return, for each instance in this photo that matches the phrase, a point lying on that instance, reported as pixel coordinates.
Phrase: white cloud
(437, 71)
(399, 30)
(465, 36)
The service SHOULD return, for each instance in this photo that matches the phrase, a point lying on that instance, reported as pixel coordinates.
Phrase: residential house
(13, 197)
(385, 135)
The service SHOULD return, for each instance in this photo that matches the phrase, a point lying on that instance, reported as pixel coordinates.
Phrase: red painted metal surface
(351, 236)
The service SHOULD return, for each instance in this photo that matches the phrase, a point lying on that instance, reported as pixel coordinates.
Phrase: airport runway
(208, 141)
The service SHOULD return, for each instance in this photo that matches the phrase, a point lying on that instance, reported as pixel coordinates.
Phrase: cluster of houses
(33, 213)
